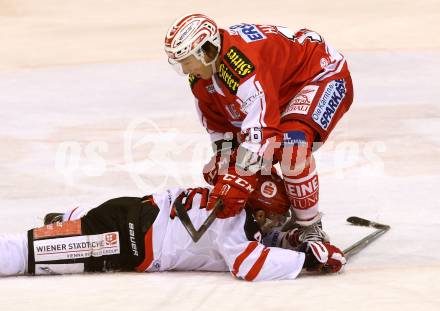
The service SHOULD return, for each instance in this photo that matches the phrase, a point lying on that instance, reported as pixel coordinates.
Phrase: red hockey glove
(234, 191)
(323, 257)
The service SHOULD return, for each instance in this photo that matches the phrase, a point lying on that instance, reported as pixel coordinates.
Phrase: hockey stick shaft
(364, 242)
(208, 221)
(189, 226)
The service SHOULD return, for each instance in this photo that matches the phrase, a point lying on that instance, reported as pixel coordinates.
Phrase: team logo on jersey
(192, 80)
(329, 103)
(300, 104)
(230, 80)
(239, 63)
(249, 32)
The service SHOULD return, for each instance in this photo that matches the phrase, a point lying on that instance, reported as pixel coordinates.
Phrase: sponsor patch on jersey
(192, 80)
(268, 189)
(294, 138)
(244, 106)
(229, 79)
(82, 246)
(249, 32)
(239, 63)
(304, 194)
(329, 103)
(300, 104)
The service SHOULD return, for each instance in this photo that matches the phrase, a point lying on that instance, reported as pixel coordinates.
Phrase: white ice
(79, 135)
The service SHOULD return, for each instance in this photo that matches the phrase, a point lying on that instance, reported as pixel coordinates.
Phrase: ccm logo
(239, 181)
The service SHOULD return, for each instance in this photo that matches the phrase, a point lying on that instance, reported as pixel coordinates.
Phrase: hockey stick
(364, 242)
(187, 223)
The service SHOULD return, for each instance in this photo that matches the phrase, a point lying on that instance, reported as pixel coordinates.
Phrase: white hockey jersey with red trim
(261, 69)
(225, 246)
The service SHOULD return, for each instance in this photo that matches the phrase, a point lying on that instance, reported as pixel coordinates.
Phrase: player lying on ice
(144, 235)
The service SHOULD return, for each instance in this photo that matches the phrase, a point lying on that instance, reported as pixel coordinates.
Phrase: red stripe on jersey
(148, 251)
(240, 258)
(256, 268)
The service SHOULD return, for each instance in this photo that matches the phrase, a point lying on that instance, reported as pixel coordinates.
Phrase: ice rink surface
(78, 134)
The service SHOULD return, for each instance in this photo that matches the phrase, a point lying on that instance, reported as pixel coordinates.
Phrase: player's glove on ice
(234, 191)
(323, 257)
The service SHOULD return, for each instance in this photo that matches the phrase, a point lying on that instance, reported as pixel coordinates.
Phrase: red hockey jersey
(261, 68)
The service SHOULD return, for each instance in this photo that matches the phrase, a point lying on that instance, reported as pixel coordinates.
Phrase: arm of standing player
(222, 135)
(259, 138)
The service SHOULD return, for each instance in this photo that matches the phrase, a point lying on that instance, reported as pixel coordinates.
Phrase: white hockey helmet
(188, 34)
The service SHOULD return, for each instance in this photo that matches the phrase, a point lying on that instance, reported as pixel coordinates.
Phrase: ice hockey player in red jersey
(144, 235)
(265, 94)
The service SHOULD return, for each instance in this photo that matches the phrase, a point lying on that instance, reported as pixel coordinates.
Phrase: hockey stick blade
(187, 223)
(364, 242)
(357, 221)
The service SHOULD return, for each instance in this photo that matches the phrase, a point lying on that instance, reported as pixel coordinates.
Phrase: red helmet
(269, 195)
(187, 35)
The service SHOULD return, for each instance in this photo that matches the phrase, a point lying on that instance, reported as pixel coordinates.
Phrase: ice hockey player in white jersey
(144, 235)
